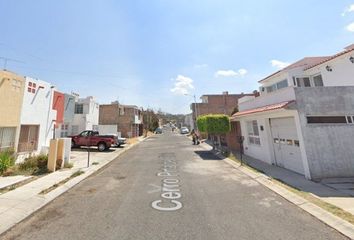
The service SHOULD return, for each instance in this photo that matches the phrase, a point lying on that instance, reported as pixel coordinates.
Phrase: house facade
(65, 128)
(303, 118)
(37, 117)
(127, 118)
(86, 115)
(11, 98)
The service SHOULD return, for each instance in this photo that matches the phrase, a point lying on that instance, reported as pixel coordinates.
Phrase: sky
(160, 53)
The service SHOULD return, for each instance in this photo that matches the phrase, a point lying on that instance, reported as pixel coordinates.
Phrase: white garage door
(286, 144)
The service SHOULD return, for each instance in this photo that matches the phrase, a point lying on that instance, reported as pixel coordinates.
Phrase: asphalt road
(203, 198)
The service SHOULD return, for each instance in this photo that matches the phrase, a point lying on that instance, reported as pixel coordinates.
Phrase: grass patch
(7, 159)
(68, 165)
(77, 173)
(95, 163)
(318, 202)
(54, 186)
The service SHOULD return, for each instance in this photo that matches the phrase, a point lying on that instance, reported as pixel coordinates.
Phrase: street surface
(166, 188)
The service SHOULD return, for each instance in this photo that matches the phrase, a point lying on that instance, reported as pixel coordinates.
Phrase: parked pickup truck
(92, 138)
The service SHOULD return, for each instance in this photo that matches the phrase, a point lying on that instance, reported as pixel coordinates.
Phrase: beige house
(11, 97)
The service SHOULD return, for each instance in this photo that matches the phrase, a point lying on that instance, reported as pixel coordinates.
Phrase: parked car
(93, 138)
(184, 130)
(158, 131)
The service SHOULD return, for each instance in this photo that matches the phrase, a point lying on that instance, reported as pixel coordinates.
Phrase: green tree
(214, 124)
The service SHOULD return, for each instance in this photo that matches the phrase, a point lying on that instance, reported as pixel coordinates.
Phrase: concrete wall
(69, 108)
(329, 147)
(37, 110)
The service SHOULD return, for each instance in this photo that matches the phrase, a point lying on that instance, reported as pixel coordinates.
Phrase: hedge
(214, 123)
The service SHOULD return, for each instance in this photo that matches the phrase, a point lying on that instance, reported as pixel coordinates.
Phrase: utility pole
(5, 59)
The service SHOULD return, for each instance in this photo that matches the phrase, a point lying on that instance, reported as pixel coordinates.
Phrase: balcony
(281, 95)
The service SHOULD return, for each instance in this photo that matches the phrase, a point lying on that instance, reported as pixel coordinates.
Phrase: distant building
(224, 103)
(127, 118)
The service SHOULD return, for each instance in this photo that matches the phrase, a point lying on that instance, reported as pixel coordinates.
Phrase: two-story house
(303, 119)
(11, 97)
(37, 117)
(86, 114)
(127, 118)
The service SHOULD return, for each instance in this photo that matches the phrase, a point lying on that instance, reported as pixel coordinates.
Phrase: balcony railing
(27, 146)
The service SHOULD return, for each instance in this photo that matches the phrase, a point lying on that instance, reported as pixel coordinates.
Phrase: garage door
(286, 144)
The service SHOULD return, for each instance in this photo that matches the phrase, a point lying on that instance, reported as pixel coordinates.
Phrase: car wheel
(73, 144)
(101, 147)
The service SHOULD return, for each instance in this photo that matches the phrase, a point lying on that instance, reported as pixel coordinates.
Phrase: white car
(184, 130)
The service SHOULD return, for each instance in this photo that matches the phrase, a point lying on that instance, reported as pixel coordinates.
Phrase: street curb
(342, 226)
(47, 198)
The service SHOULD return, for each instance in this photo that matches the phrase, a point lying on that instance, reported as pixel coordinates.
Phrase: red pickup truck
(92, 138)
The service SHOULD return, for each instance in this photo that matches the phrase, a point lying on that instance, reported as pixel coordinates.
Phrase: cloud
(182, 85)
(204, 65)
(231, 73)
(279, 64)
(348, 10)
(350, 27)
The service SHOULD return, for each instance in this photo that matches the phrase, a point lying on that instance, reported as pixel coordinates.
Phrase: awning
(262, 109)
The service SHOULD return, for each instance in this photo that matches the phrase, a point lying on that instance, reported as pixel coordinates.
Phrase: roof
(305, 62)
(262, 109)
(347, 50)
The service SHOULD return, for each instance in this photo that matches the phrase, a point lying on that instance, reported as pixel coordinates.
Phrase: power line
(6, 59)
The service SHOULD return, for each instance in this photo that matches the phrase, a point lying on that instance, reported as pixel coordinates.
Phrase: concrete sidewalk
(21, 202)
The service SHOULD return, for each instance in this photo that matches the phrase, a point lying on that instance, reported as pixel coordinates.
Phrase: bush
(7, 159)
(214, 123)
(34, 165)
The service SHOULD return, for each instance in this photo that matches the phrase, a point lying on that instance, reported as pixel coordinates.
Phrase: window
(306, 82)
(79, 108)
(28, 140)
(64, 130)
(253, 132)
(277, 86)
(327, 119)
(317, 81)
(282, 84)
(303, 82)
(31, 87)
(7, 137)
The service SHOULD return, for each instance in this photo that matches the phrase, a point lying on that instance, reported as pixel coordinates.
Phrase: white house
(37, 117)
(86, 115)
(303, 119)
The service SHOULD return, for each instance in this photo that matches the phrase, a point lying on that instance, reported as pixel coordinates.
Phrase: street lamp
(195, 109)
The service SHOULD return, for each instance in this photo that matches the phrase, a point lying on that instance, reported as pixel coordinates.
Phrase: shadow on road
(207, 155)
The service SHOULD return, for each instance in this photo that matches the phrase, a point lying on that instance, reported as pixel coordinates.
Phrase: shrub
(7, 159)
(214, 123)
(34, 165)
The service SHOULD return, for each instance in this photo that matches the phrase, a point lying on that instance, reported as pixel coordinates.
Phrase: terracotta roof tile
(262, 109)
